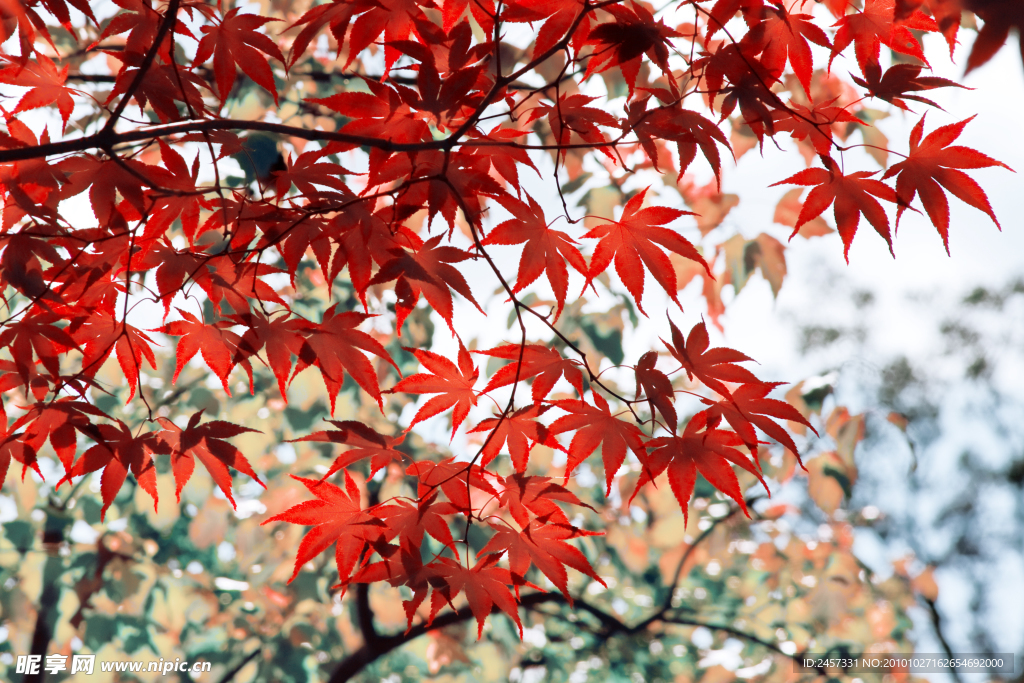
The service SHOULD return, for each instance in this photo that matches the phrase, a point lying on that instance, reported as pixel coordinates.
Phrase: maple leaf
(688, 129)
(236, 41)
(118, 451)
(337, 519)
(205, 442)
(279, 337)
(853, 194)
(45, 83)
(13, 448)
(396, 19)
(623, 42)
(334, 347)
(748, 406)
(15, 13)
(545, 250)
(486, 587)
(410, 520)
(171, 206)
(454, 478)
(522, 494)
(814, 125)
(143, 23)
(102, 334)
(522, 431)
(999, 16)
(57, 421)
(36, 332)
(899, 80)
(657, 388)
(781, 35)
(710, 366)
(453, 383)
(543, 545)
(306, 172)
(400, 566)
(571, 115)
(631, 242)
(163, 86)
(594, 425)
(710, 452)
(734, 72)
(533, 361)
(335, 15)
(365, 442)
(787, 211)
(217, 343)
(427, 271)
(558, 16)
(876, 26)
(933, 163)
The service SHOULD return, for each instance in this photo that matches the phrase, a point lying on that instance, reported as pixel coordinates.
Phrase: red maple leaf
(933, 163)
(410, 520)
(454, 478)
(594, 425)
(710, 366)
(280, 337)
(14, 448)
(853, 194)
(117, 451)
(454, 384)
(59, 421)
(365, 442)
(205, 442)
(710, 452)
(236, 41)
(558, 17)
(999, 16)
(570, 114)
(521, 430)
(45, 83)
(632, 241)
(486, 587)
(814, 125)
(748, 406)
(522, 494)
(542, 544)
(876, 26)
(217, 343)
(544, 363)
(623, 42)
(656, 388)
(900, 79)
(427, 271)
(100, 334)
(735, 73)
(781, 35)
(336, 518)
(36, 332)
(545, 250)
(335, 345)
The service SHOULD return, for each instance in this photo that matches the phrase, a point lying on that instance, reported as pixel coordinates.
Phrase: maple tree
(395, 189)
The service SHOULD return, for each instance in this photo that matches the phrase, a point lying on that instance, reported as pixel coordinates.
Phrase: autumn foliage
(410, 145)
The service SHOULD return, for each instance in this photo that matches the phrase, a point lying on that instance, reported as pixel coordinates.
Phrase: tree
(298, 181)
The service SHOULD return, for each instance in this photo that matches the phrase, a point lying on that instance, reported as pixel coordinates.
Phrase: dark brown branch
(936, 618)
(230, 674)
(48, 612)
